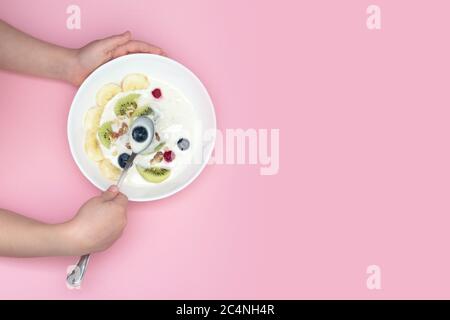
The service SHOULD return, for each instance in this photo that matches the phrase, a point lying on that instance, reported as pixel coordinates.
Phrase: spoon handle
(125, 170)
(75, 278)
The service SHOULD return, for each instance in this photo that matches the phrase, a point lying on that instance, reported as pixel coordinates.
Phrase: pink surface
(364, 165)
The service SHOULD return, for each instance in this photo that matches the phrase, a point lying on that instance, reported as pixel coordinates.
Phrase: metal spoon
(138, 145)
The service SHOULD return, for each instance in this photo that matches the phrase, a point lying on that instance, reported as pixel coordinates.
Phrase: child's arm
(22, 53)
(98, 223)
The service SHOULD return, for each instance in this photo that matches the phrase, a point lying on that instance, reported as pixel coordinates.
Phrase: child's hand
(29, 55)
(98, 223)
(96, 53)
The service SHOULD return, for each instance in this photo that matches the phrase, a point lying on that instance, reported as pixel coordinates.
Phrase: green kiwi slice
(126, 104)
(142, 111)
(104, 134)
(154, 174)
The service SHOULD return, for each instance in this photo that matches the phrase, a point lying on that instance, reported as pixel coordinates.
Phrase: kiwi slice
(159, 146)
(104, 134)
(126, 104)
(142, 111)
(154, 174)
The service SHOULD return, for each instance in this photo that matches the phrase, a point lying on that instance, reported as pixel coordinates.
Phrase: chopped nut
(157, 158)
(129, 112)
(114, 135)
(123, 129)
(157, 136)
(128, 145)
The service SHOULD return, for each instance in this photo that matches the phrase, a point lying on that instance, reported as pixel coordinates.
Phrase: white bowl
(157, 67)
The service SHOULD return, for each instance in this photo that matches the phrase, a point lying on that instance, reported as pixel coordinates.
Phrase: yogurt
(174, 118)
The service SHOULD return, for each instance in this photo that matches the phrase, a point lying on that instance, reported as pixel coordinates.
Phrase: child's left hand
(88, 58)
(32, 56)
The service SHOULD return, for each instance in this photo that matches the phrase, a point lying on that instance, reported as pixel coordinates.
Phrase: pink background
(364, 165)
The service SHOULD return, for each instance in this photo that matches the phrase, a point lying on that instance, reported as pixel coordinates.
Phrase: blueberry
(140, 134)
(183, 144)
(123, 159)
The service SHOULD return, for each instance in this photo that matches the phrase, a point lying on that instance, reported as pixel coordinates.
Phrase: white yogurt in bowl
(184, 110)
(174, 118)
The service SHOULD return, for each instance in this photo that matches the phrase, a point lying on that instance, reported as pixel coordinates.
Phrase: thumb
(110, 193)
(117, 40)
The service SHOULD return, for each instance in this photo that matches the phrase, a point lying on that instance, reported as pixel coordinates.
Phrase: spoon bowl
(139, 142)
(146, 128)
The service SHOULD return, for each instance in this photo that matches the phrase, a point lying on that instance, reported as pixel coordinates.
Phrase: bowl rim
(205, 155)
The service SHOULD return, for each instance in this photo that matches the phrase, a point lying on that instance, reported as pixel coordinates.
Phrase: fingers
(110, 193)
(117, 40)
(135, 46)
(113, 194)
(121, 199)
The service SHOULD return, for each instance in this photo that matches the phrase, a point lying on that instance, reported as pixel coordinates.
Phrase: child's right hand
(98, 223)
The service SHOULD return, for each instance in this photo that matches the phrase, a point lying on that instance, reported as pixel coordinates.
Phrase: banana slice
(135, 81)
(91, 146)
(106, 93)
(92, 118)
(108, 170)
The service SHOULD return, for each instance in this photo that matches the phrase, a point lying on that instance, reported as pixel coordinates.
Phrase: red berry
(157, 93)
(169, 155)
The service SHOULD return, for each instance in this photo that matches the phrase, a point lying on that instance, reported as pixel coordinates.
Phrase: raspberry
(169, 155)
(157, 93)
